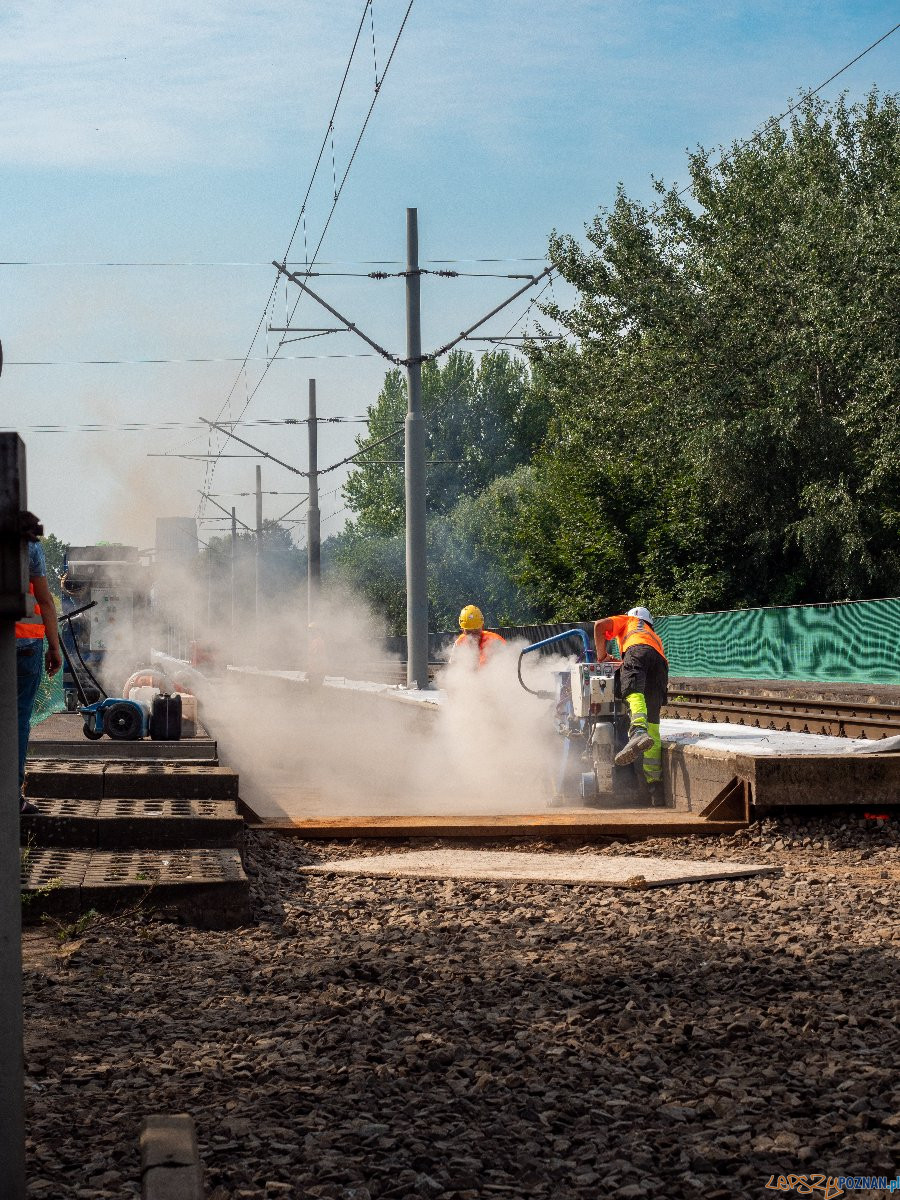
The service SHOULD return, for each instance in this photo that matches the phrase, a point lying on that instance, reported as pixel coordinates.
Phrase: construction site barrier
(857, 641)
(853, 642)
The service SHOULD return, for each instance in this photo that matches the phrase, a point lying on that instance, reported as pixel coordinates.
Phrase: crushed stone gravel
(376, 1038)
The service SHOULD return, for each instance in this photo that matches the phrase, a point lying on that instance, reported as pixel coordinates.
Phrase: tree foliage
(55, 551)
(482, 422)
(722, 428)
(717, 430)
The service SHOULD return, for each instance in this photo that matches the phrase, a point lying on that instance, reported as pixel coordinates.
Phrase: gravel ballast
(397, 1037)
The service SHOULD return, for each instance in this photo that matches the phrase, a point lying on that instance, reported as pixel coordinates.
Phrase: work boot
(639, 740)
(657, 798)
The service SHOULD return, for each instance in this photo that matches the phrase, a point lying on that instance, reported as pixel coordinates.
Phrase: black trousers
(645, 670)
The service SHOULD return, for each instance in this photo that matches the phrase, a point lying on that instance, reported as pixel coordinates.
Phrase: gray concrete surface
(630, 871)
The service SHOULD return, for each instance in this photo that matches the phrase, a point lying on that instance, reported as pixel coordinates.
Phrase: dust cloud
(333, 742)
(312, 717)
(329, 740)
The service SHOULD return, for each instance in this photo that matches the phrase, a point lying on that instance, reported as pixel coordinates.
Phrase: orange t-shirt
(630, 631)
(487, 643)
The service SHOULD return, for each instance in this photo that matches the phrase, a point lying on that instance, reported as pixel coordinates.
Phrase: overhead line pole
(313, 535)
(416, 565)
(234, 543)
(258, 554)
(414, 428)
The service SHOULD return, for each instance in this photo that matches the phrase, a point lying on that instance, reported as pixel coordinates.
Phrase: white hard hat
(642, 614)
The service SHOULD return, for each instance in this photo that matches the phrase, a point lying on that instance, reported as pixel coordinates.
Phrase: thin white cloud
(144, 85)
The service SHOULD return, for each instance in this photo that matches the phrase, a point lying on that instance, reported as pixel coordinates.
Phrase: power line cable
(161, 362)
(210, 472)
(210, 469)
(792, 108)
(373, 262)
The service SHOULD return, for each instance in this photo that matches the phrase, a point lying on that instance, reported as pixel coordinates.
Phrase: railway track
(838, 718)
(761, 705)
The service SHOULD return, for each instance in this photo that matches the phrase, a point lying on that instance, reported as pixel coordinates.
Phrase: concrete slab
(726, 738)
(168, 822)
(695, 774)
(842, 780)
(170, 1159)
(132, 822)
(205, 887)
(628, 871)
(61, 821)
(70, 780)
(181, 780)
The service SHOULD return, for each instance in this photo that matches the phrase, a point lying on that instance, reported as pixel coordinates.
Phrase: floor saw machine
(593, 723)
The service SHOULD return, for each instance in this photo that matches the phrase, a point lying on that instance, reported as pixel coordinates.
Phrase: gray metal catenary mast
(414, 428)
(416, 565)
(313, 520)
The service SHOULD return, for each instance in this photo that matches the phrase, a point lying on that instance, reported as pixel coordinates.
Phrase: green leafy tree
(55, 553)
(482, 422)
(722, 426)
(483, 425)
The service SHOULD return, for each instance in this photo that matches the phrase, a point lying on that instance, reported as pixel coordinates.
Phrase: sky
(154, 158)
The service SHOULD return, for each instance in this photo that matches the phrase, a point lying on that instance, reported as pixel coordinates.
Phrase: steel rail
(839, 718)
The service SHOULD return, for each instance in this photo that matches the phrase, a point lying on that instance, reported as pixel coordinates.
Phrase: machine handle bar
(589, 656)
(67, 616)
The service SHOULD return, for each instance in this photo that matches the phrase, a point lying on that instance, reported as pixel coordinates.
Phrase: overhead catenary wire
(141, 362)
(140, 426)
(210, 471)
(309, 188)
(792, 108)
(375, 262)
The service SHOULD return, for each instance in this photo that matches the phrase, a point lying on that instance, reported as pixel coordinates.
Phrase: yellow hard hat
(471, 618)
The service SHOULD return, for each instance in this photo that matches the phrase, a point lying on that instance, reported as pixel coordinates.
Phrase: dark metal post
(233, 557)
(13, 591)
(313, 536)
(258, 557)
(416, 579)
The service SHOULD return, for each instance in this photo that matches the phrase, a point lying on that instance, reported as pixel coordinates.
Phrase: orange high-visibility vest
(487, 642)
(33, 627)
(631, 631)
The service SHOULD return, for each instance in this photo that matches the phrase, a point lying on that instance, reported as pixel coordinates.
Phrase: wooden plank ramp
(613, 824)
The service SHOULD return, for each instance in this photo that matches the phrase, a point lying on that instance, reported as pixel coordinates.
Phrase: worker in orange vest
(474, 637)
(644, 679)
(31, 659)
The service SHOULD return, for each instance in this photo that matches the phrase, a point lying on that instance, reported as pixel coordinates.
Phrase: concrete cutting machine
(593, 721)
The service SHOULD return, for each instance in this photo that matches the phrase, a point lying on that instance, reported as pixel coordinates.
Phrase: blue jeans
(29, 668)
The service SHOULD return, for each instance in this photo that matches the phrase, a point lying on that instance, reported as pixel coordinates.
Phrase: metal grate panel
(165, 808)
(111, 868)
(61, 807)
(48, 868)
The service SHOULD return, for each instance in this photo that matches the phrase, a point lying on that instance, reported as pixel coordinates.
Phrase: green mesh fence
(856, 642)
(49, 698)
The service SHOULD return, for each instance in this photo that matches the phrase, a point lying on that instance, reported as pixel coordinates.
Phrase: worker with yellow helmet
(475, 637)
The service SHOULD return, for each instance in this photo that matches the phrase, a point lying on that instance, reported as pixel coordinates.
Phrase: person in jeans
(30, 656)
